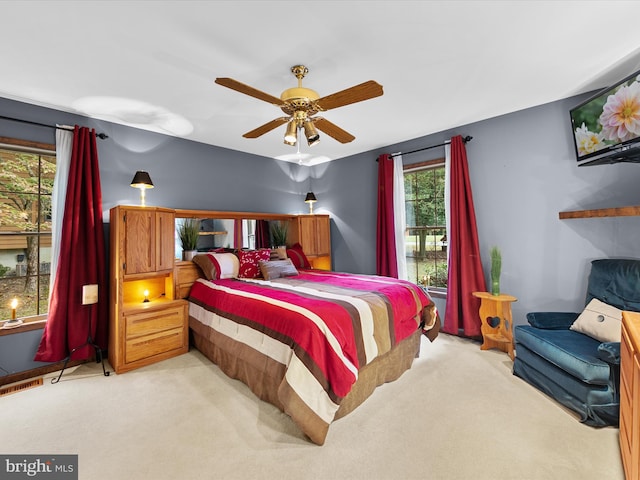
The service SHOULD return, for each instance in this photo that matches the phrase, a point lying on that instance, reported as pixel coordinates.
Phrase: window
(27, 172)
(426, 233)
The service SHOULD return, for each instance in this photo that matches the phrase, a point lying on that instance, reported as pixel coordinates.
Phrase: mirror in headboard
(230, 229)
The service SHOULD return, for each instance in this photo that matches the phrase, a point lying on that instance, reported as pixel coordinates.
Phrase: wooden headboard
(312, 232)
(185, 274)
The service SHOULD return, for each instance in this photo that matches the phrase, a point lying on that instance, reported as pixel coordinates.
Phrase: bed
(313, 343)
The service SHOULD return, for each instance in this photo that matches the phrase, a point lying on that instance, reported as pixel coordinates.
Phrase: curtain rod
(464, 140)
(99, 135)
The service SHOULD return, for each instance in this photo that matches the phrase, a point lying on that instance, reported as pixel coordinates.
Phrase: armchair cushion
(570, 351)
(616, 282)
(552, 320)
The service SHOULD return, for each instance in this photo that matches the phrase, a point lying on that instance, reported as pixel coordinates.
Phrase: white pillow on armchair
(600, 321)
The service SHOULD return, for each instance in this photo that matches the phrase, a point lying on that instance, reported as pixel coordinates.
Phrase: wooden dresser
(630, 395)
(147, 321)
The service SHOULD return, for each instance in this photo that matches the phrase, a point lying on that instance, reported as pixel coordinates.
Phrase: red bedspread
(324, 326)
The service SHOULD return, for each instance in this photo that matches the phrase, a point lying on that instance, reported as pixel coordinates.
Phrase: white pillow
(218, 265)
(229, 265)
(600, 321)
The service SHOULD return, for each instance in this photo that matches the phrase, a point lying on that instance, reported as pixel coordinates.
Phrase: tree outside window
(26, 184)
(426, 233)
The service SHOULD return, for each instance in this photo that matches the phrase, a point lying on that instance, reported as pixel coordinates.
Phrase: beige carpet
(459, 413)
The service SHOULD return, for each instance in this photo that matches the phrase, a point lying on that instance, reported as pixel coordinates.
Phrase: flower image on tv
(609, 120)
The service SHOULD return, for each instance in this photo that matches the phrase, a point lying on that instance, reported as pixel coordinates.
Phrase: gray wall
(522, 169)
(523, 173)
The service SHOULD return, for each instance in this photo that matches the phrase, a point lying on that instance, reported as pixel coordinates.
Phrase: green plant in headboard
(279, 231)
(188, 232)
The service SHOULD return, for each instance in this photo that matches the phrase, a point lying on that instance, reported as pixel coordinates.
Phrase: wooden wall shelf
(602, 212)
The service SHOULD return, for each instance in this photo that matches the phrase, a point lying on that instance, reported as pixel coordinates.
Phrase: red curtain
(465, 266)
(237, 233)
(386, 261)
(81, 262)
(262, 234)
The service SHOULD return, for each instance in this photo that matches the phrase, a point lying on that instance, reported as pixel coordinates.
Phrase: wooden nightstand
(142, 267)
(496, 325)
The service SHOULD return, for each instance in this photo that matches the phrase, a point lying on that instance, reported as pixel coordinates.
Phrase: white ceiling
(442, 64)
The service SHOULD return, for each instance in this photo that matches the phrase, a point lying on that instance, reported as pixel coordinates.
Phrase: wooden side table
(496, 325)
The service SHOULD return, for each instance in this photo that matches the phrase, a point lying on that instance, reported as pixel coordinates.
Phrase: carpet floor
(458, 413)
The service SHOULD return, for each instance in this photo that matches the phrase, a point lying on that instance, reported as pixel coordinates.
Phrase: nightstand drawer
(183, 290)
(187, 273)
(145, 323)
(154, 344)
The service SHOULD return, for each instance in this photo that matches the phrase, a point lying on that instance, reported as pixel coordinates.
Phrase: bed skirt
(265, 377)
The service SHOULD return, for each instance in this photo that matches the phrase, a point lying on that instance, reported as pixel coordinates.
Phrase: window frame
(439, 292)
(45, 149)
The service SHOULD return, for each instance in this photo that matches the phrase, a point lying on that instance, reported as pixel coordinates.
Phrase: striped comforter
(321, 327)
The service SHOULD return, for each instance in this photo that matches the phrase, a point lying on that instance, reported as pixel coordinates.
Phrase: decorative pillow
(218, 265)
(249, 259)
(297, 256)
(277, 268)
(274, 254)
(600, 321)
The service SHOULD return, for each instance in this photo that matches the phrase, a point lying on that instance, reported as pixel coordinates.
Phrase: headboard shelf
(185, 213)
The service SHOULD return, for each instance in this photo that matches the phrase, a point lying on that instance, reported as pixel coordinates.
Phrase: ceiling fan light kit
(311, 133)
(291, 136)
(300, 104)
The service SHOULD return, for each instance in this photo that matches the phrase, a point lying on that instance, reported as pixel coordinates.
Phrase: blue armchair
(578, 371)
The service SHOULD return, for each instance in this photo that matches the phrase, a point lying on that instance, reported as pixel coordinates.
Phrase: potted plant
(279, 231)
(188, 232)
(496, 267)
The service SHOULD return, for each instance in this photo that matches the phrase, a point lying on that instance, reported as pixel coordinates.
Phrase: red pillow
(249, 266)
(298, 257)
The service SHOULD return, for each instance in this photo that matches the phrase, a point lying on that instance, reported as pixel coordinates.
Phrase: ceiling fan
(300, 104)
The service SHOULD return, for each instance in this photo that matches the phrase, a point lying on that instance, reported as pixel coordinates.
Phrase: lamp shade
(310, 199)
(311, 133)
(141, 180)
(291, 136)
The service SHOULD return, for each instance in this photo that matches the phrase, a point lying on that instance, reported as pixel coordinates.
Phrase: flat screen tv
(606, 127)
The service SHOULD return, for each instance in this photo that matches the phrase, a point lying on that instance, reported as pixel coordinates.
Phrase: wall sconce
(142, 180)
(13, 322)
(146, 296)
(310, 199)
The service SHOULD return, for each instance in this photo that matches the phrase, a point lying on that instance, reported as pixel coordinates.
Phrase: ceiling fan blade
(267, 127)
(247, 90)
(333, 130)
(358, 93)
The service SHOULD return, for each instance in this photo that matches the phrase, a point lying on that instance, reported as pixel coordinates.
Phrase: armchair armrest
(609, 352)
(552, 320)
